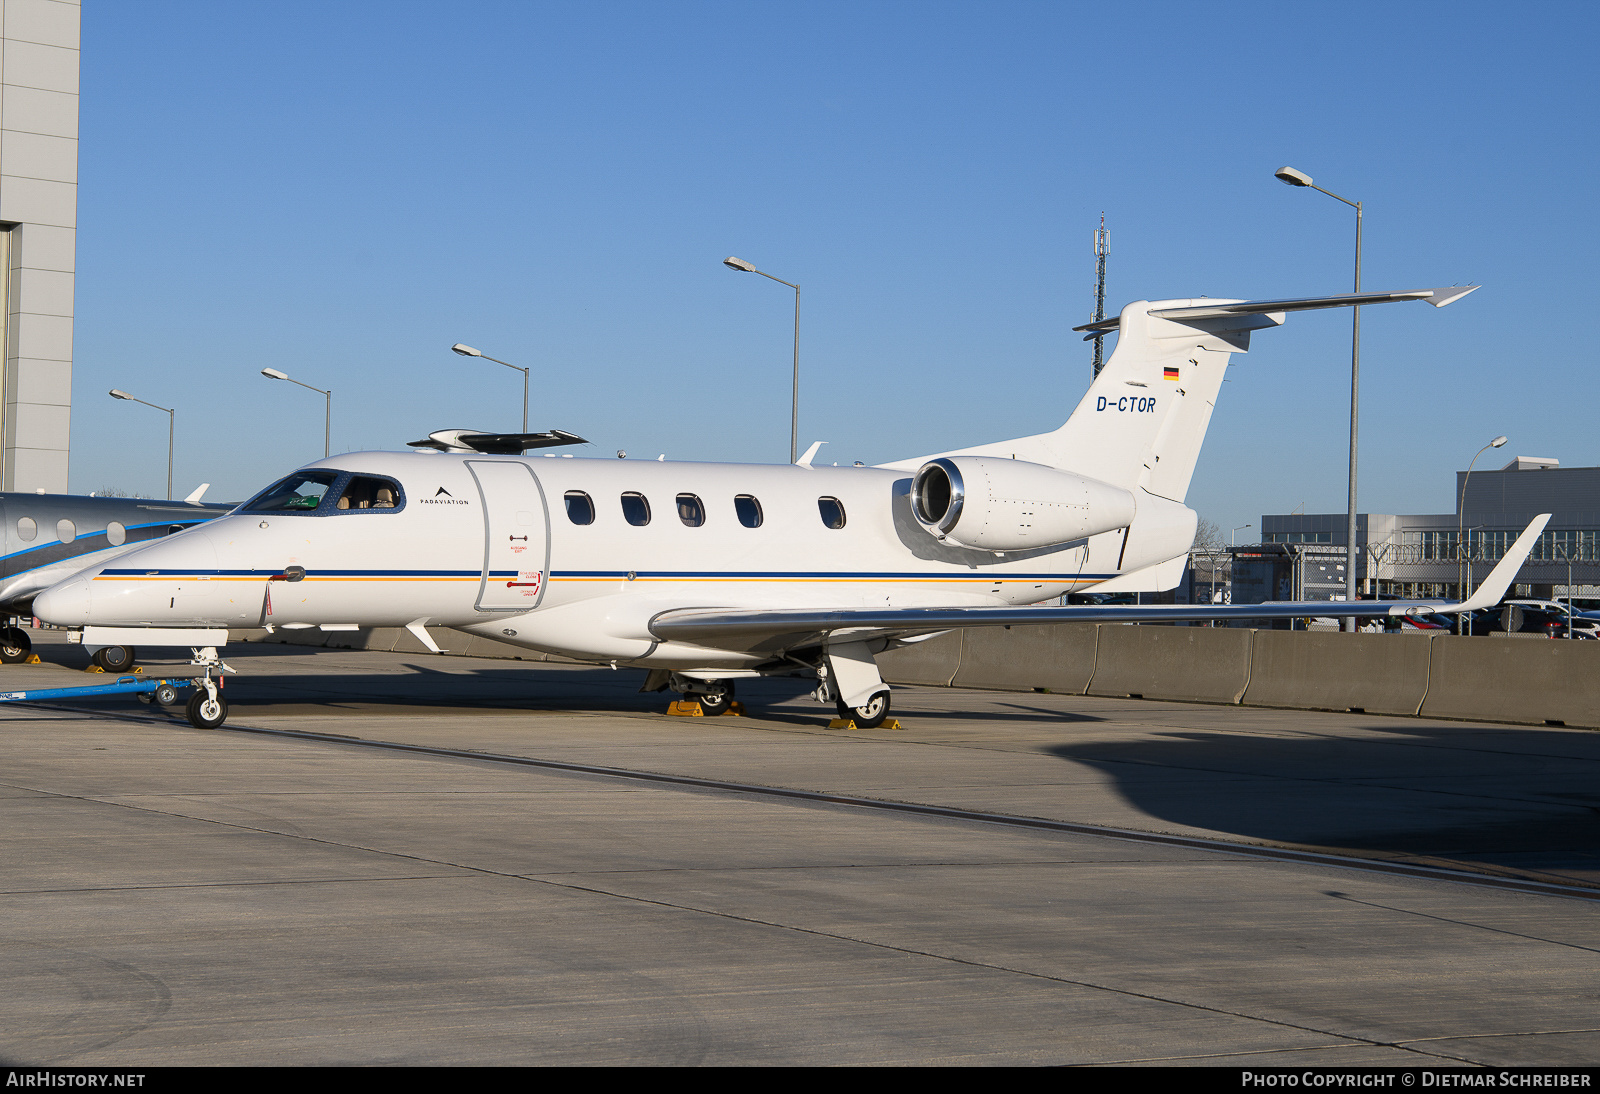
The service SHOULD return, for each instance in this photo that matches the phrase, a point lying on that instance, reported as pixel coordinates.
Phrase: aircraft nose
(64, 604)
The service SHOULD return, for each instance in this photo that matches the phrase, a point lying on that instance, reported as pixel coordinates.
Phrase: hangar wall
(38, 238)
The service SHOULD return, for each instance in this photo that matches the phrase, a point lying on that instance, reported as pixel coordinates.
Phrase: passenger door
(516, 536)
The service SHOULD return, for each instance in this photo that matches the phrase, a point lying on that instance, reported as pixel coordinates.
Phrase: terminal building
(1302, 556)
(38, 238)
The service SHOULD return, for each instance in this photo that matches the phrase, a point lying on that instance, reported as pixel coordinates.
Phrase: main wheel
(114, 658)
(14, 646)
(205, 712)
(870, 716)
(717, 702)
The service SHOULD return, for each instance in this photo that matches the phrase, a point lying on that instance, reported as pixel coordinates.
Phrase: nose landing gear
(207, 709)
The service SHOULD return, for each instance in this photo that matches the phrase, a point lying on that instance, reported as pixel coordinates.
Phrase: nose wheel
(206, 711)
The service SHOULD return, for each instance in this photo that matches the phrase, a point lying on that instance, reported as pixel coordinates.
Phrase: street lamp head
(738, 264)
(1497, 442)
(1293, 177)
(274, 374)
(466, 350)
(115, 394)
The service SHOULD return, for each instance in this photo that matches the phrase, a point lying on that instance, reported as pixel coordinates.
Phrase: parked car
(1519, 618)
(1584, 624)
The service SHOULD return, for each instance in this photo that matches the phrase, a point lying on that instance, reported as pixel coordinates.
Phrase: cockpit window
(366, 492)
(301, 492)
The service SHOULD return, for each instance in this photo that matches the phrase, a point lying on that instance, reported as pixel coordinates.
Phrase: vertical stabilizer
(1144, 418)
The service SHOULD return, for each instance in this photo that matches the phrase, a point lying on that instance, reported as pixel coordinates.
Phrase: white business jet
(706, 573)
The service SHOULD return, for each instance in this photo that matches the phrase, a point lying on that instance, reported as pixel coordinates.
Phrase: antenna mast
(1102, 247)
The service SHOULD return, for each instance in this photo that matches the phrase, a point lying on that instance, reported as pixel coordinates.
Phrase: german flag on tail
(1169, 374)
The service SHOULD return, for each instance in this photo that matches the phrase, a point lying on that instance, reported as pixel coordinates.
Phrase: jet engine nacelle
(1009, 505)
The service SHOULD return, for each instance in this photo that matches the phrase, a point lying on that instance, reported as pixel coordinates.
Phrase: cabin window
(66, 531)
(299, 493)
(580, 507)
(27, 528)
(832, 510)
(635, 509)
(368, 492)
(116, 534)
(749, 510)
(691, 511)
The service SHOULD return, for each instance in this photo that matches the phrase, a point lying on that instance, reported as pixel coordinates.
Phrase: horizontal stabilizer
(1223, 308)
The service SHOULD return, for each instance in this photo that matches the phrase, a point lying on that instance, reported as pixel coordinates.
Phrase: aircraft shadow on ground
(537, 686)
(1521, 799)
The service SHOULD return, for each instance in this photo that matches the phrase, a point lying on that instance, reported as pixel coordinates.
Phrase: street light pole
(794, 400)
(468, 351)
(327, 420)
(1463, 573)
(172, 419)
(1299, 178)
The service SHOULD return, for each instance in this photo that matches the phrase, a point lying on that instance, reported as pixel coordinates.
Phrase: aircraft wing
(758, 630)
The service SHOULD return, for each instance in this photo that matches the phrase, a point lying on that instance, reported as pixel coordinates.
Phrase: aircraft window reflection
(66, 531)
(299, 493)
(636, 509)
(580, 507)
(749, 510)
(116, 534)
(690, 511)
(27, 528)
(832, 510)
(369, 493)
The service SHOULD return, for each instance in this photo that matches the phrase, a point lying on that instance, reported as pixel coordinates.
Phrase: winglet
(1441, 297)
(810, 454)
(1499, 580)
(200, 492)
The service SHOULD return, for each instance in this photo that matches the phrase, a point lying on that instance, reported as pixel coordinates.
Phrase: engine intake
(1008, 505)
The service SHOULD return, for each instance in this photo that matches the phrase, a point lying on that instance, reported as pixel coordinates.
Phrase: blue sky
(341, 191)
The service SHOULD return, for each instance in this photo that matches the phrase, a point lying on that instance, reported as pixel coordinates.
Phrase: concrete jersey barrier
(1196, 664)
(1482, 680)
(1317, 670)
(1058, 658)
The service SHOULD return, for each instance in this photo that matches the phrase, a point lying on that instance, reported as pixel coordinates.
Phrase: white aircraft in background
(706, 573)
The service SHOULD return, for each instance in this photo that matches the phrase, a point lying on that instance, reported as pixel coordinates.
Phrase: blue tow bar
(122, 685)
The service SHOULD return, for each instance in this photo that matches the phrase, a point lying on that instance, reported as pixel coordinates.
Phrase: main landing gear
(870, 716)
(714, 696)
(15, 645)
(112, 658)
(717, 699)
(849, 670)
